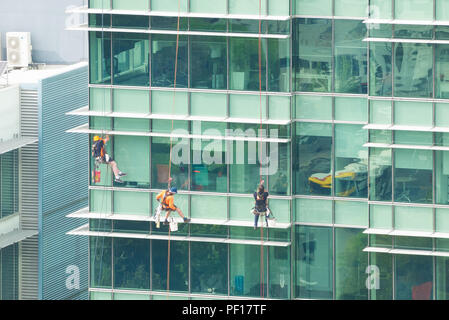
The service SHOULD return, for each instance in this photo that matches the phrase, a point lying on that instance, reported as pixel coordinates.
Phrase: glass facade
(353, 111)
(9, 183)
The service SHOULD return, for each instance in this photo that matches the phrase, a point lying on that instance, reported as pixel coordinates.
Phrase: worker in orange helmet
(98, 151)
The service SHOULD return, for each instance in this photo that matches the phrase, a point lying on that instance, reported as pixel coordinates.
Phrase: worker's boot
(186, 220)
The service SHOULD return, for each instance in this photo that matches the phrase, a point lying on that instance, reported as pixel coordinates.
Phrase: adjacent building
(43, 178)
(354, 104)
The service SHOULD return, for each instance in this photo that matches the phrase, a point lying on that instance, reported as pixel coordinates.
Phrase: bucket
(97, 176)
(173, 225)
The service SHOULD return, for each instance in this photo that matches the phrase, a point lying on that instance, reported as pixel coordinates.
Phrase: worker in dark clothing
(167, 200)
(100, 155)
(261, 207)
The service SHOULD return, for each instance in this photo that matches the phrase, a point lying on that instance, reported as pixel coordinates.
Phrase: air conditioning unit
(18, 48)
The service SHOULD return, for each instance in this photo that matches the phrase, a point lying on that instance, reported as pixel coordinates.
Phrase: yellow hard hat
(96, 138)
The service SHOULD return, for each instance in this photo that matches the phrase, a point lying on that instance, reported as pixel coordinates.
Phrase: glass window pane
(133, 203)
(130, 296)
(413, 218)
(442, 220)
(279, 168)
(100, 4)
(413, 138)
(414, 9)
(351, 109)
(279, 7)
(131, 101)
(313, 263)
(413, 176)
(441, 71)
(350, 264)
(380, 9)
(350, 56)
(209, 268)
(351, 161)
(381, 275)
(247, 7)
(413, 70)
(127, 226)
(209, 169)
(208, 62)
(208, 104)
(442, 177)
(169, 23)
(131, 62)
(130, 5)
(169, 103)
(208, 24)
(380, 217)
(239, 208)
(160, 160)
(247, 106)
(279, 65)
(100, 57)
(442, 115)
(173, 6)
(279, 269)
(245, 270)
(131, 263)
(99, 20)
(314, 8)
(208, 6)
(413, 113)
(179, 274)
(100, 295)
(100, 262)
(131, 125)
(380, 174)
(130, 21)
(163, 61)
(380, 136)
(442, 278)
(100, 99)
(351, 8)
(279, 108)
(313, 149)
(100, 201)
(132, 156)
(313, 107)
(413, 31)
(380, 112)
(244, 68)
(442, 10)
(351, 213)
(313, 55)
(380, 69)
(413, 277)
(209, 207)
(314, 211)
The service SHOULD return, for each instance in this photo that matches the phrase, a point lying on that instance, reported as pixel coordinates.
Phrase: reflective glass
(163, 55)
(131, 263)
(313, 168)
(130, 5)
(100, 262)
(380, 276)
(314, 256)
(169, 23)
(413, 70)
(380, 174)
(179, 269)
(130, 21)
(442, 177)
(413, 176)
(413, 277)
(99, 20)
(442, 278)
(100, 57)
(278, 65)
(244, 60)
(208, 63)
(350, 264)
(414, 9)
(208, 24)
(380, 69)
(351, 161)
(317, 7)
(131, 59)
(350, 57)
(405, 31)
(279, 272)
(209, 268)
(442, 71)
(313, 55)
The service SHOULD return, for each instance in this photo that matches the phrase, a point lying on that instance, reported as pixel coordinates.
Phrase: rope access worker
(167, 200)
(261, 206)
(98, 151)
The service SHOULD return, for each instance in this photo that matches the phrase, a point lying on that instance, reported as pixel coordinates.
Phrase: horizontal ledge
(405, 233)
(185, 33)
(406, 22)
(16, 236)
(398, 40)
(407, 252)
(84, 231)
(86, 10)
(404, 146)
(84, 111)
(9, 145)
(84, 129)
(85, 214)
(404, 128)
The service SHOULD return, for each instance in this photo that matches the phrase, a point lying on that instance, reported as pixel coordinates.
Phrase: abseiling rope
(171, 138)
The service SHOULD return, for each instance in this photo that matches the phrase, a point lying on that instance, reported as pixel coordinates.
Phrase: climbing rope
(171, 138)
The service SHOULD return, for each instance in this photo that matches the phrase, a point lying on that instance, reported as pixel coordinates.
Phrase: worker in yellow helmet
(98, 151)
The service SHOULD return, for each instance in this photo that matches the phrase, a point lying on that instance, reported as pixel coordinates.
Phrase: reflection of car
(354, 176)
